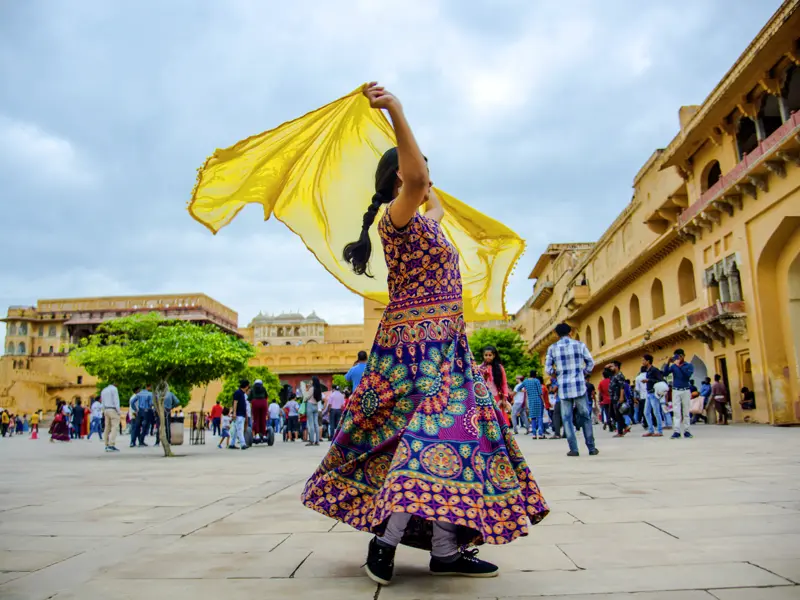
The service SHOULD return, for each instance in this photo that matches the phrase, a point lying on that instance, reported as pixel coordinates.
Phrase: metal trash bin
(176, 431)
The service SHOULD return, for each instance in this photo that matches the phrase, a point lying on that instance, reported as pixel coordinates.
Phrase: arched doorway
(601, 332)
(711, 175)
(778, 291)
(657, 299)
(686, 287)
(636, 315)
(793, 281)
(700, 370)
(746, 137)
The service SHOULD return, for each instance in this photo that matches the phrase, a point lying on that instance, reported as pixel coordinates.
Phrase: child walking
(226, 428)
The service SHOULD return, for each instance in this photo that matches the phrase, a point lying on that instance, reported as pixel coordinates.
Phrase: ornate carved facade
(716, 267)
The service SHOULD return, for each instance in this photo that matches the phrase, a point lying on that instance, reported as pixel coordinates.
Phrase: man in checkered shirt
(571, 361)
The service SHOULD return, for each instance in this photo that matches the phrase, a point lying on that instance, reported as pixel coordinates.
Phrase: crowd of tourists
(309, 413)
(658, 398)
(15, 424)
(103, 417)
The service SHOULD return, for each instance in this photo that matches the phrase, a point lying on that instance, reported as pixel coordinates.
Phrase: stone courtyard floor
(648, 519)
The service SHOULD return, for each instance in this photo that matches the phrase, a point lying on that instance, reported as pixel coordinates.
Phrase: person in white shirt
(293, 419)
(640, 387)
(275, 416)
(109, 399)
(96, 424)
(519, 408)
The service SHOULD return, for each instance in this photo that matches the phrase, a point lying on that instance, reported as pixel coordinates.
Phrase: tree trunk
(203, 404)
(163, 431)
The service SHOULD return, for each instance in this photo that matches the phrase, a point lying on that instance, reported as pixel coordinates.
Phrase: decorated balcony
(719, 322)
(577, 296)
(746, 180)
(544, 289)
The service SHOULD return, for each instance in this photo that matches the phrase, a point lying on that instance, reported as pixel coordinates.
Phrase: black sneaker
(466, 565)
(594, 452)
(572, 453)
(380, 562)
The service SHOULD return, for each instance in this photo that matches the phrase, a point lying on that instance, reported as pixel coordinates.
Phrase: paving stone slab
(781, 593)
(790, 569)
(230, 524)
(358, 588)
(29, 560)
(685, 595)
(607, 581)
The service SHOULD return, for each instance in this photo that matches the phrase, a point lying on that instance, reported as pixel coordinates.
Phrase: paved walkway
(714, 517)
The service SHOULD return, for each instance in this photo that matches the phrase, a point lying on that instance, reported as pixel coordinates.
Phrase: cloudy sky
(537, 113)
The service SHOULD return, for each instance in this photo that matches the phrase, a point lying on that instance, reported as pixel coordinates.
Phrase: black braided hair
(357, 253)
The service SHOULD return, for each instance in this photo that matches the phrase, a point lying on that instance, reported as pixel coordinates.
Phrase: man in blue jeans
(142, 406)
(571, 360)
(652, 409)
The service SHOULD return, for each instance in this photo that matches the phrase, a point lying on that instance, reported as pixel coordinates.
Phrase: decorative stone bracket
(720, 322)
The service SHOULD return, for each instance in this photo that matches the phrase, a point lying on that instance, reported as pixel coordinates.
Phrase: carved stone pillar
(734, 284)
(724, 290)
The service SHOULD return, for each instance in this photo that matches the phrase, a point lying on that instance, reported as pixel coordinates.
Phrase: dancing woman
(421, 457)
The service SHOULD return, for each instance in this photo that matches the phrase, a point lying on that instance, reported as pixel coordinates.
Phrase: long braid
(358, 253)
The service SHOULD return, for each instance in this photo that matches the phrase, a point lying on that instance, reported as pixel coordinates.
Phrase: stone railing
(726, 193)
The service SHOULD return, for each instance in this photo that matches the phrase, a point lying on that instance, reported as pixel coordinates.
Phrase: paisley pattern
(422, 433)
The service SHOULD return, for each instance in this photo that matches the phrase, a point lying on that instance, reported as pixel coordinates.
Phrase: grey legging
(312, 422)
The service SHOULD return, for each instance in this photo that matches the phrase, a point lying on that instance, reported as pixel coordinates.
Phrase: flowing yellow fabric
(316, 174)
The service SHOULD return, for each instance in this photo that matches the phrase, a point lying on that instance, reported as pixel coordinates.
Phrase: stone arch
(616, 323)
(21, 349)
(657, 299)
(589, 337)
(778, 289)
(635, 312)
(746, 136)
(700, 370)
(770, 114)
(10, 348)
(687, 290)
(791, 90)
(601, 332)
(712, 173)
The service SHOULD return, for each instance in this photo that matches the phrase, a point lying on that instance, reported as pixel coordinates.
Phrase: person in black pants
(555, 415)
(616, 391)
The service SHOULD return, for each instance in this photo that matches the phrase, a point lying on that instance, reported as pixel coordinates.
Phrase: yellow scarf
(316, 175)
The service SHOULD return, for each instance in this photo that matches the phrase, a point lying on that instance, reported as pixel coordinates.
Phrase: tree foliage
(231, 383)
(340, 382)
(514, 354)
(140, 349)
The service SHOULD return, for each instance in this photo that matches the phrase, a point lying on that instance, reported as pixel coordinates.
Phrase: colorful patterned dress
(421, 434)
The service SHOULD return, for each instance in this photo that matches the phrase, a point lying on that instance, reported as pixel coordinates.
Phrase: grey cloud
(139, 93)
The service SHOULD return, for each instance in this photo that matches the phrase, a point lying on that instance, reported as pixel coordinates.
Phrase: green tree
(166, 353)
(340, 382)
(231, 383)
(514, 354)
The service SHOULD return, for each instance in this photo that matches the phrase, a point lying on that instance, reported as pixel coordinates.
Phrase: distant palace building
(706, 256)
(34, 371)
